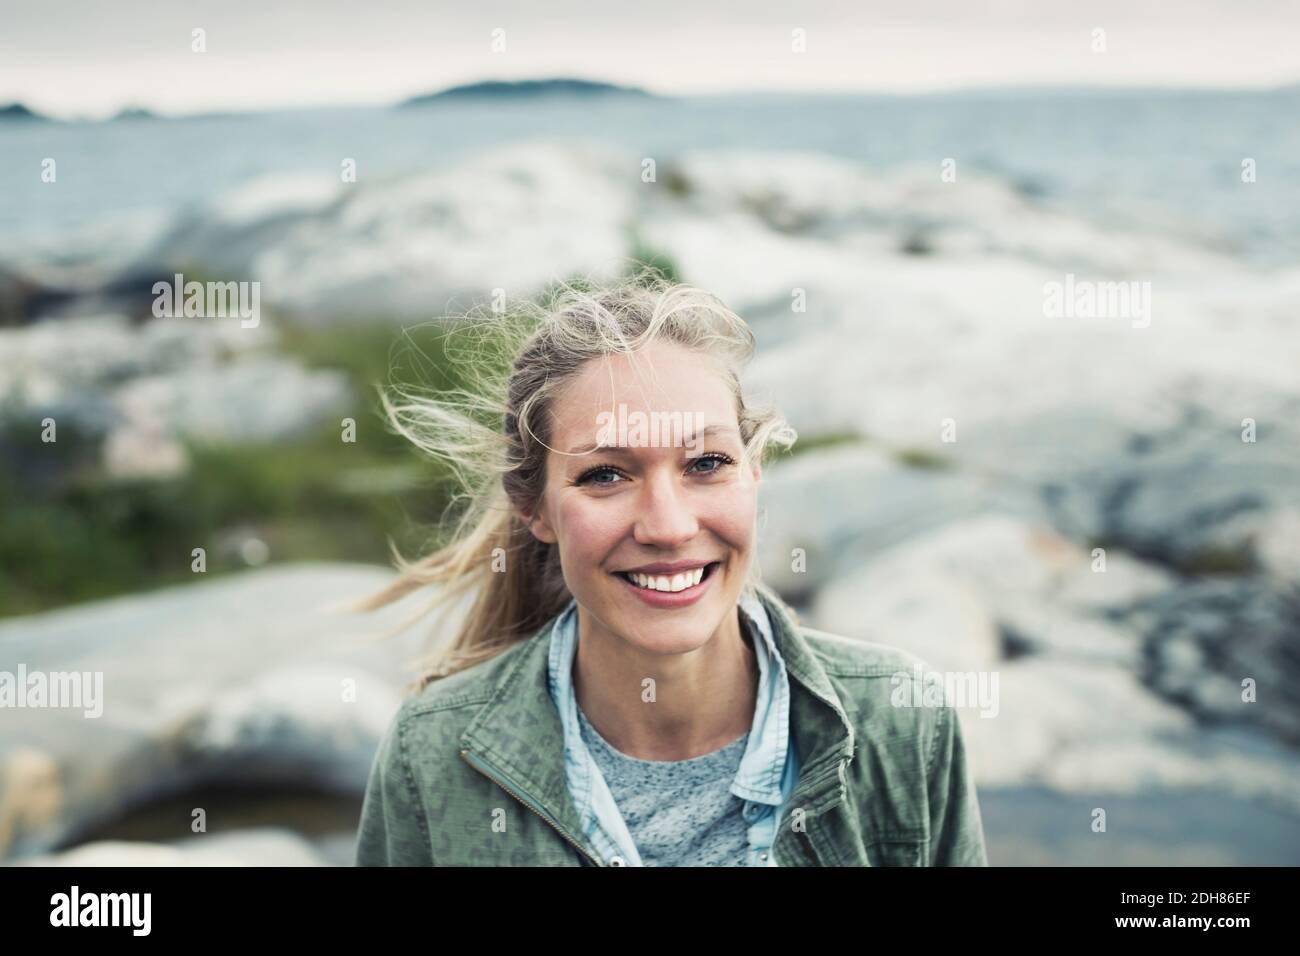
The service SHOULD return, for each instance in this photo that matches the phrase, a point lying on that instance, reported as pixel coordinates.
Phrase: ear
(537, 524)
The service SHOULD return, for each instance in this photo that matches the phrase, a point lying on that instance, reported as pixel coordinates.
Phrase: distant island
(135, 113)
(16, 111)
(522, 89)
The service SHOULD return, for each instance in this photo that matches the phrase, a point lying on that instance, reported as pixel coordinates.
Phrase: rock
(941, 620)
(20, 297)
(242, 680)
(845, 504)
(1046, 707)
(809, 196)
(1033, 625)
(1201, 640)
(1234, 501)
(280, 727)
(31, 797)
(983, 588)
(265, 846)
(514, 217)
(258, 399)
(136, 391)
(1277, 545)
(1096, 730)
(97, 352)
(1113, 579)
(1103, 425)
(1203, 763)
(1101, 681)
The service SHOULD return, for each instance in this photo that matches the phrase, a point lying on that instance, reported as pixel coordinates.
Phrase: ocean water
(1163, 161)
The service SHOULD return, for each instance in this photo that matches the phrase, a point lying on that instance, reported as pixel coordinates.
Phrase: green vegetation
(677, 183)
(645, 257)
(909, 457)
(920, 458)
(1210, 561)
(69, 532)
(1219, 560)
(917, 244)
(824, 440)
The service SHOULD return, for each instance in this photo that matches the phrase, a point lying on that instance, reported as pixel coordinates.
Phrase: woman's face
(667, 497)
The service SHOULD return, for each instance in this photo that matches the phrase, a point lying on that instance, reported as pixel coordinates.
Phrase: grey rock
(1201, 640)
(845, 504)
(248, 679)
(514, 217)
(266, 846)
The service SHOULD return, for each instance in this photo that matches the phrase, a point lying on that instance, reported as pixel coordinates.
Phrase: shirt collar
(765, 763)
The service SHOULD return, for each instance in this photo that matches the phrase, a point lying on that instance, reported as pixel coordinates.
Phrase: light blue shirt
(768, 770)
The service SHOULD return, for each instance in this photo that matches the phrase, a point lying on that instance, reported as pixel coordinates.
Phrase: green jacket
(471, 769)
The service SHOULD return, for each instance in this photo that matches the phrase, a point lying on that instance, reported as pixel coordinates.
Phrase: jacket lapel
(519, 735)
(825, 742)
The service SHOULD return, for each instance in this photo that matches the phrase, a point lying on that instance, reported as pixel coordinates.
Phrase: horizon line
(633, 89)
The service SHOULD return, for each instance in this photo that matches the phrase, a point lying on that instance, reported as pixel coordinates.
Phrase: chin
(676, 638)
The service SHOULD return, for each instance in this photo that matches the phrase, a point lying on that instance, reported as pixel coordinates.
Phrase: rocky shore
(1105, 514)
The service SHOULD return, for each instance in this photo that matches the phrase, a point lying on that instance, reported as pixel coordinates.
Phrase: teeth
(662, 582)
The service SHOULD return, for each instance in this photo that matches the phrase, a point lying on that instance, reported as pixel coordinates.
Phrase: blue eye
(586, 477)
(720, 458)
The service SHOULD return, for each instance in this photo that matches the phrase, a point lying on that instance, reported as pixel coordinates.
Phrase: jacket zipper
(514, 792)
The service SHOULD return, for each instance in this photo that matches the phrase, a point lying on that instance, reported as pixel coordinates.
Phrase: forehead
(661, 377)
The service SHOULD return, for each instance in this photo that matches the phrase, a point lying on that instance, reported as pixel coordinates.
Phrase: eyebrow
(623, 449)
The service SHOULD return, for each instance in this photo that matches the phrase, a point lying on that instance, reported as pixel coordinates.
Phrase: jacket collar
(518, 731)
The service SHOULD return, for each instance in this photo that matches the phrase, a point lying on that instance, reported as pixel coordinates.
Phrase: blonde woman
(623, 690)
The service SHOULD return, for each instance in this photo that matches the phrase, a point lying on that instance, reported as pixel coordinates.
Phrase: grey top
(679, 812)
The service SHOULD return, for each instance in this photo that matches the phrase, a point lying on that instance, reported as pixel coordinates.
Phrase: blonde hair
(494, 437)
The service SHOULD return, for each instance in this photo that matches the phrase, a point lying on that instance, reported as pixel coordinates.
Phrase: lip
(670, 567)
(674, 599)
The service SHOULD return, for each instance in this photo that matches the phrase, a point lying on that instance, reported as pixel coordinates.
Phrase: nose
(665, 516)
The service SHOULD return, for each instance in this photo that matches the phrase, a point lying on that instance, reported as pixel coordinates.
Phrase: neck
(701, 701)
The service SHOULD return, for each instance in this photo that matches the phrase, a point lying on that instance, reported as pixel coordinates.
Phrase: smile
(669, 590)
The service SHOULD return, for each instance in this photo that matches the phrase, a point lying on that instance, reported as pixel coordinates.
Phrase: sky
(94, 57)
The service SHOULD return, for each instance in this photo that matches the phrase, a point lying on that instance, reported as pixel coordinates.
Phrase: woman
(623, 691)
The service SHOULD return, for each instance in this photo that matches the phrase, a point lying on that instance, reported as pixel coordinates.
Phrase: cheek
(731, 517)
(589, 531)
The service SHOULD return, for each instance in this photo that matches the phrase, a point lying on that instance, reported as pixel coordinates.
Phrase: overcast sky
(92, 57)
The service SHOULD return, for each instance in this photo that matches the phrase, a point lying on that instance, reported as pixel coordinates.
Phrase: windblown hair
(494, 437)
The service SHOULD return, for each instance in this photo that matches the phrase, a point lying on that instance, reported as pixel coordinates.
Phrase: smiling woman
(623, 689)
